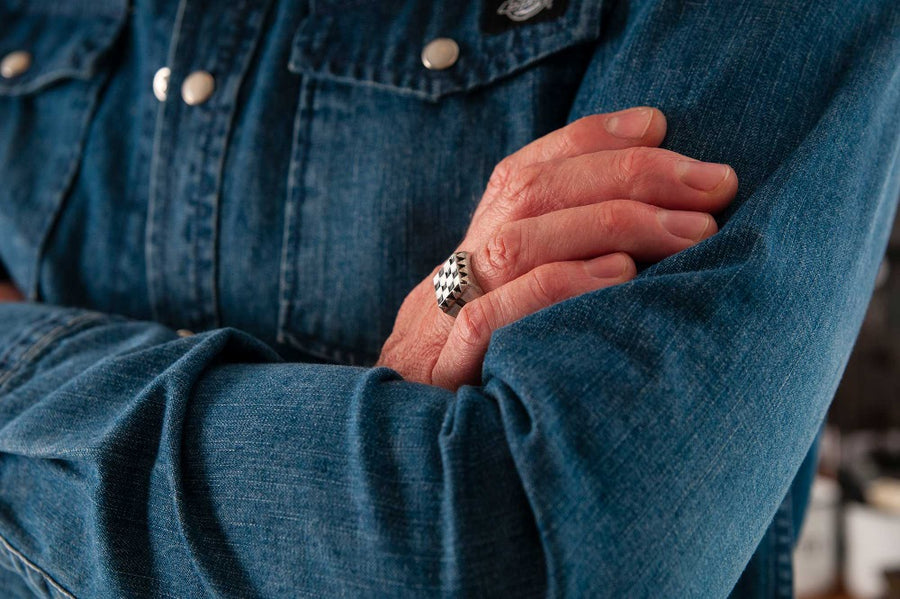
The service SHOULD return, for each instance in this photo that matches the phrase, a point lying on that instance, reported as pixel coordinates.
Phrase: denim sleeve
(633, 441)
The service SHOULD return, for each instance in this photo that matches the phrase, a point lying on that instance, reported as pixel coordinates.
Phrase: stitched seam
(86, 104)
(292, 212)
(151, 231)
(43, 342)
(782, 554)
(32, 566)
(13, 346)
(228, 114)
(553, 36)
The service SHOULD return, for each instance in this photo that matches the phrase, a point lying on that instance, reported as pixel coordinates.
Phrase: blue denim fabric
(653, 439)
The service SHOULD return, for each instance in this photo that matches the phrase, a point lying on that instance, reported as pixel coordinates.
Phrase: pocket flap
(64, 39)
(380, 43)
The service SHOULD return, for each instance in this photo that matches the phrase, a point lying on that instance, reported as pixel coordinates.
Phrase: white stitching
(30, 565)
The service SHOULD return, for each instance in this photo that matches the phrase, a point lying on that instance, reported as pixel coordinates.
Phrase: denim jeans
(654, 439)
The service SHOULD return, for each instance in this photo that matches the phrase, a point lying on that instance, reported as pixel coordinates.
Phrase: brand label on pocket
(500, 15)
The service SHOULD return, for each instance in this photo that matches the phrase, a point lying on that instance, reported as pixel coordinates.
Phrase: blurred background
(850, 543)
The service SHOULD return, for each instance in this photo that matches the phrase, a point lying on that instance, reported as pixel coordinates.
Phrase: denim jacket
(651, 439)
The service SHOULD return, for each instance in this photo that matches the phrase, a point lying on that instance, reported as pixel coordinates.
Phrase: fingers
(597, 187)
(650, 175)
(460, 360)
(640, 126)
(645, 232)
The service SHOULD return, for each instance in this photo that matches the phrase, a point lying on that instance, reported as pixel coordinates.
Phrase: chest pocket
(52, 70)
(390, 157)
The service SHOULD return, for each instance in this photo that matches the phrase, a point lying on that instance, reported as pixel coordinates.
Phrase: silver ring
(455, 285)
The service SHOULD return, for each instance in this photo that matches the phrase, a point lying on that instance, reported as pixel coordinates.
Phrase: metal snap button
(197, 88)
(14, 64)
(161, 83)
(184, 333)
(440, 53)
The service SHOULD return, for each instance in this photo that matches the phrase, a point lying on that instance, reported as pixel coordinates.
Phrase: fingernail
(704, 176)
(630, 124)
(684, 224)
(606, 267)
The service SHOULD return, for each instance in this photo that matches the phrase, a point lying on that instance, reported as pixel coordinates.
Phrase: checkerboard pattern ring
(454, 284)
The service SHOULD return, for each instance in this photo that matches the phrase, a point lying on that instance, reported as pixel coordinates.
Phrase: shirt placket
(210, 53)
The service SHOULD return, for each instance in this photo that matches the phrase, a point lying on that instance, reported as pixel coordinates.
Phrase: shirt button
(184, 333)
(14, 64)
(161, 83)
(197, 87)
(440, 53)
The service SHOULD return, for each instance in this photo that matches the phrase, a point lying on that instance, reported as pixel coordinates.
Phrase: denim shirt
(652, 439)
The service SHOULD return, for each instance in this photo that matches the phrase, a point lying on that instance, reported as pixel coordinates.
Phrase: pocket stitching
(486, 58)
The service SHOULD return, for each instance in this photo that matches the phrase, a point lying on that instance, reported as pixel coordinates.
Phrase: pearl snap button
(161, 83)
(14, 64)
(197, 87)
(440, 53)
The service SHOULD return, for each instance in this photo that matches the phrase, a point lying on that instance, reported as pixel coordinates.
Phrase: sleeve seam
(26, 348)
(27, 563)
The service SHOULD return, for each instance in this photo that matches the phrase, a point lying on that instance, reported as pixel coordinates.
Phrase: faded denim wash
(655, 439)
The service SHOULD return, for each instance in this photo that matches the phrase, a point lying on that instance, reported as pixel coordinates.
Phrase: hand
(8, 293)
(565, 215)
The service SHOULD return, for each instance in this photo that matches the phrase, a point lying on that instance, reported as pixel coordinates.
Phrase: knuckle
(567, 139)
(613, 216)
(514, 188)
(472, 324)
(626, 215)
(500, 177)
(526, 181)
(632, 163)
(547, 284)
(500, 254)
